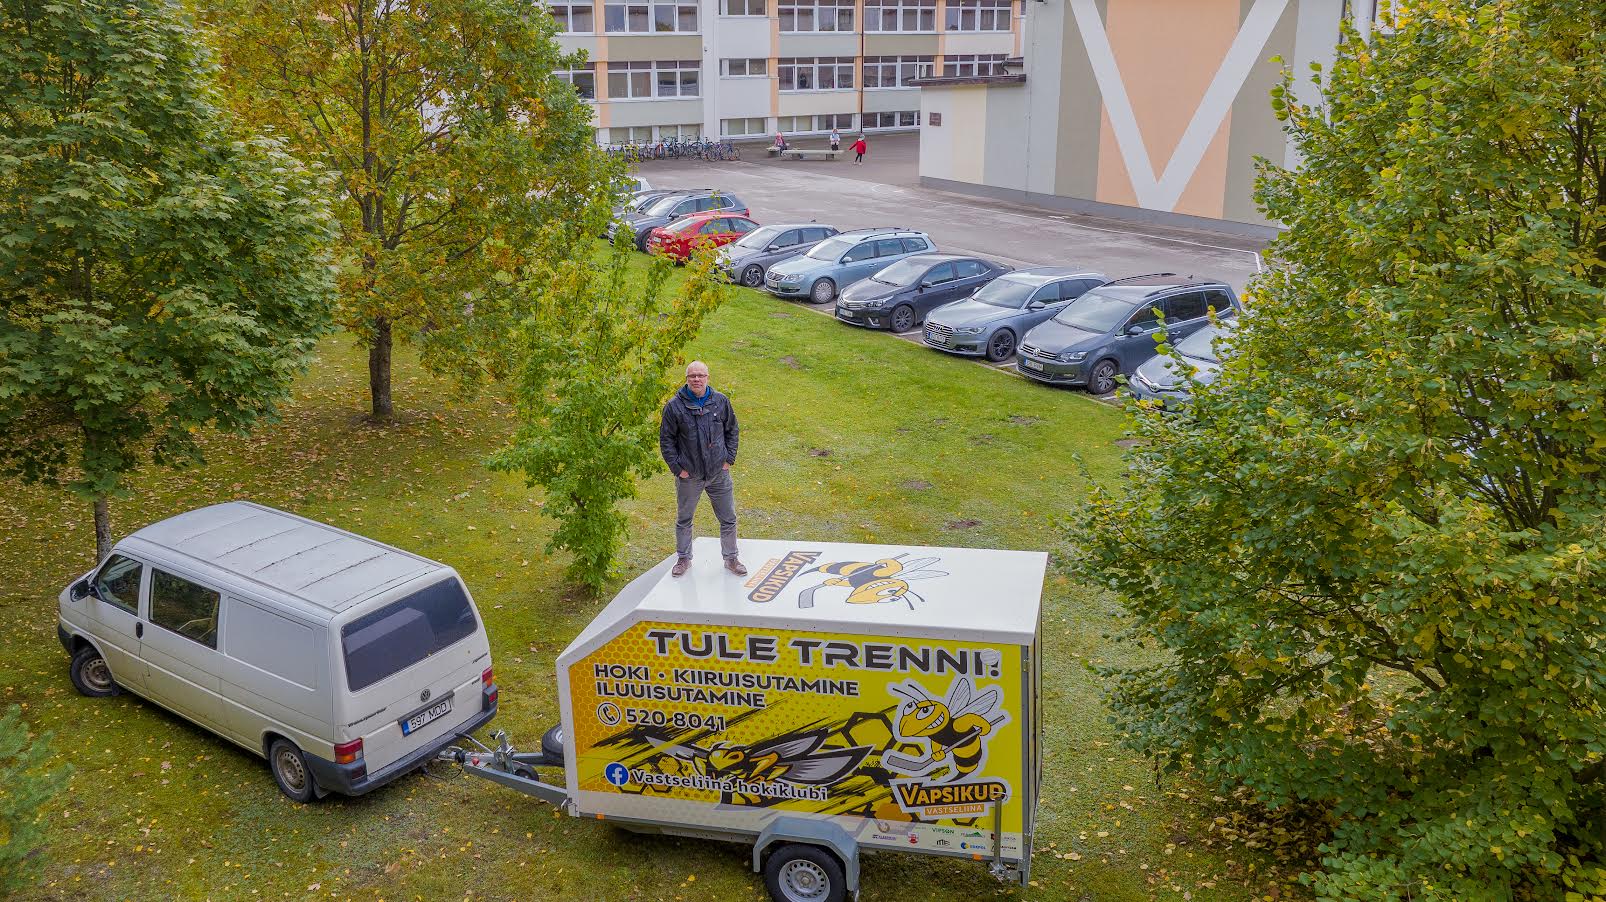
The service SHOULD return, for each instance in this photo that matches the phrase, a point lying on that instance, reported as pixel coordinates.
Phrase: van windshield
(404, 632)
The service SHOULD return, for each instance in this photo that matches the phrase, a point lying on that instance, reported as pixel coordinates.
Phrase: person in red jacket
(859, 147)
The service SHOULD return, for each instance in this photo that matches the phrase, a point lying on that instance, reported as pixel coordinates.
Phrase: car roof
(866, 234)
(1164, 281)
(701, 215)
(1038, 275)
(325, 568)
(802, 225)
(944, 258)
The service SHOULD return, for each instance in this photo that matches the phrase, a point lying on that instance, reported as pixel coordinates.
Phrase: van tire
(552, 745)
(800, 872)
(90, 674)
(291, 772)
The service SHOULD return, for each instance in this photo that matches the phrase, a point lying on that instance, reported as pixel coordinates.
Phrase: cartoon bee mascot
(873, 582)
(954, 729)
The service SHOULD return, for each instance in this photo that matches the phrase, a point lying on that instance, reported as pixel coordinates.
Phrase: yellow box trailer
(843, 699)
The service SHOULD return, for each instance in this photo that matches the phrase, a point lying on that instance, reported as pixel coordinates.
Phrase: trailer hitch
(506, 766)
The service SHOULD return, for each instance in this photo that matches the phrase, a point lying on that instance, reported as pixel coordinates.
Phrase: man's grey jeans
(722, 495)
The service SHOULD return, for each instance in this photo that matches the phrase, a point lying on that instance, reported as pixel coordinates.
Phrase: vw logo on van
(423, 696)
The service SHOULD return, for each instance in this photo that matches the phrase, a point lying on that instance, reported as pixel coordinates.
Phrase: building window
(584, 80)
(681, 132)
(894, 71)
(744, 8)
(816, 15)
(738, 128)
(980, 15)
(639, 134)
(573, 17)
(664, 78)
(636, 16)
(746, 68)
(968, 65)
(900, 15)
(794, 125)
(825, 73)
(903, 119)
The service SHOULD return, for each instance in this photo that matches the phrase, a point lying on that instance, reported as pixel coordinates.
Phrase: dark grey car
(632, 202)
(899, 296)
(747, 260)
(991, 321)
(669, 207)
(1112, 329)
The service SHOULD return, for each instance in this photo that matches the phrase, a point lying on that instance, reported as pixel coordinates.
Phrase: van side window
(118, 583)
(402, 633)
(273, 644)
(184, 607)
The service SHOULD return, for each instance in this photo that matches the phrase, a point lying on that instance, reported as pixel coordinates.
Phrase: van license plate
(425, 716)
(1031, 364)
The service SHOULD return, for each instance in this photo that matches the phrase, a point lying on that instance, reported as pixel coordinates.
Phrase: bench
(798, 153)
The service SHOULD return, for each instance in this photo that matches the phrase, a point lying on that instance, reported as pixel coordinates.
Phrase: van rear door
(413, 666)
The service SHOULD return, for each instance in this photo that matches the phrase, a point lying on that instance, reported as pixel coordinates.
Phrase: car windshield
(661, 206)
(904, 272)
(642, 202)
(1005, 292)
(1095, 312)
(759, 238)
(831, 248)
(1201, 345)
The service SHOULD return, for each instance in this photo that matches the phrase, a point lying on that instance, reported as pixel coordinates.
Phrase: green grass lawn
(847, 435)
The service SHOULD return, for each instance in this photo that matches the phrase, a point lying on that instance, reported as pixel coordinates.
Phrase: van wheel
(798, 872)
(290, 771)
(91, 676)
(552, 745)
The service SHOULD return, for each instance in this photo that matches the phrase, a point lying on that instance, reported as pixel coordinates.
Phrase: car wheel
(291, 772)
(91, 676)
(753, 276)
(552, 745)
(798, 872)
(641, 241)
(1000, 345)
(903, 318)
(823, 292)
(1101, 381)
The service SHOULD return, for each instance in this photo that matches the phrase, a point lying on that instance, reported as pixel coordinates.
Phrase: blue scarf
(693, 400)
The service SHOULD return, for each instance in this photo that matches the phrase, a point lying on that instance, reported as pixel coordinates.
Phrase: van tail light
(348, 752)
(487, 677)
(488, 687)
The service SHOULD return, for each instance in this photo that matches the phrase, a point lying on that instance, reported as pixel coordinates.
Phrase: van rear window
(404, 632)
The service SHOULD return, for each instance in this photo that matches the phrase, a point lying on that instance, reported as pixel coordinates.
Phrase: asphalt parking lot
(886, 192)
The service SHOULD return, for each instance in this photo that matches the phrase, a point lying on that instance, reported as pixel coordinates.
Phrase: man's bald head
(697, 377)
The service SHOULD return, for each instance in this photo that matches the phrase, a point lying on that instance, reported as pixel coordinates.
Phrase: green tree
(1373, 555)
(158, 273)
(454, 143)
(25, 786)
(592, 358)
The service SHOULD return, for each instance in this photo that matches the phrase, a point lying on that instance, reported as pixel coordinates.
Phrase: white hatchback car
(344, 661)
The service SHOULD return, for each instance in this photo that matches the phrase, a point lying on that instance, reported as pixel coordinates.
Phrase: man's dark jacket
(698, 439)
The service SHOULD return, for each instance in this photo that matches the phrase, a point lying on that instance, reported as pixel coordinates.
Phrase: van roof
(975, 594)
(324, 567)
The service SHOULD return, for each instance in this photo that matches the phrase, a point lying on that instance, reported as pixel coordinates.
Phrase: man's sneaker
(735, 566)
(681, 566)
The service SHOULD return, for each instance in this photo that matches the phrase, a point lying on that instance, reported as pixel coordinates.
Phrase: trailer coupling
(507, 766)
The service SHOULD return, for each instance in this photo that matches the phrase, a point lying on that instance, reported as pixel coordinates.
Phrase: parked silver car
(991, 321)
(1162, 380)
(747, 259)
(841, 260)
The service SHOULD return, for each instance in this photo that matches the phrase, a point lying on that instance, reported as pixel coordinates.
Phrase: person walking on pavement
(697, 437)
(859, 147)
(836, 139)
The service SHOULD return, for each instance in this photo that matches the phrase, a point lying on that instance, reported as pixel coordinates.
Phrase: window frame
(921, 13)
(650, 12)
(217, 609)
(982, 16)
(789, 14)
(566, 21)
(139, 585)
(788, 68)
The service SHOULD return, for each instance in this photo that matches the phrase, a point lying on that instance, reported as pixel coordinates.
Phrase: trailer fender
(819, 833)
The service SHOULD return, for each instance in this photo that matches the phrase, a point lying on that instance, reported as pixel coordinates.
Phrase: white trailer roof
(323, 566)
(898, 590)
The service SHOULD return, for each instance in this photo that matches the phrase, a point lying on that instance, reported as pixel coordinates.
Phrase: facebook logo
(617, 774)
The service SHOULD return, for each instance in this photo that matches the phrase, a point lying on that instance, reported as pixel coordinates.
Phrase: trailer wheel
(552, 745)
(799, 872)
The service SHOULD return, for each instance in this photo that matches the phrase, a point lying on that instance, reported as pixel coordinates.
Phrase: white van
(344, 661)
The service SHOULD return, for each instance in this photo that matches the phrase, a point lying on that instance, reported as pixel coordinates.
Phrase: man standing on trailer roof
(697, 437)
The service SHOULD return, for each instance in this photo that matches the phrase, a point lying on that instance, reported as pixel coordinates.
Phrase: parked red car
(678, 239)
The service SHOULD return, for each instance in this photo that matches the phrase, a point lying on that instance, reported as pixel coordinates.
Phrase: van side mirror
(80, 590)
